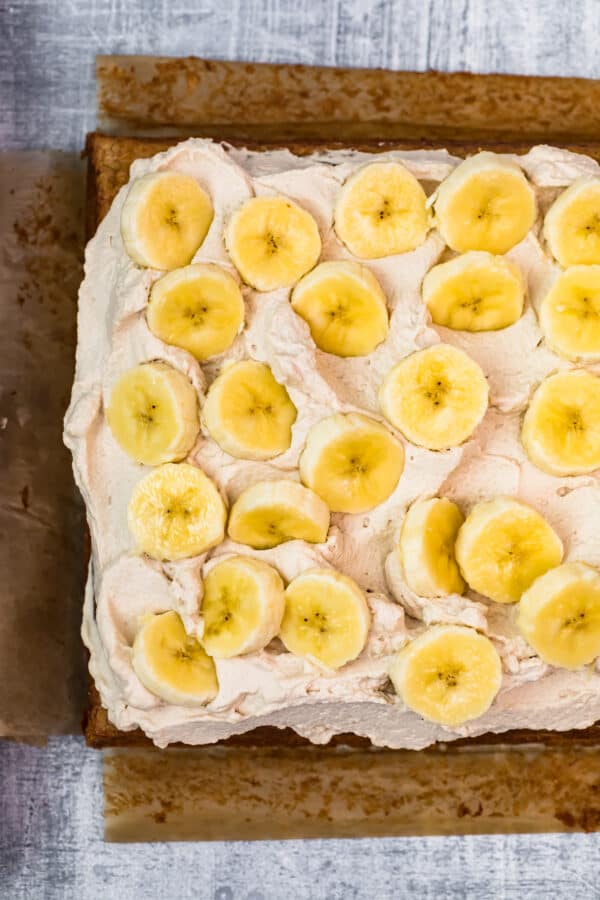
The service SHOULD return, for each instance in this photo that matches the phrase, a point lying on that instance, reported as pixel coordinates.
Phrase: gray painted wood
(47, 49)
(51, 798)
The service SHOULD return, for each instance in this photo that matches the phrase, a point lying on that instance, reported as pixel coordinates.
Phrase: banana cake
(336, 422)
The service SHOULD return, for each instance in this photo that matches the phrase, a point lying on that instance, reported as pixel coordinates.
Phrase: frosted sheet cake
(334, 419)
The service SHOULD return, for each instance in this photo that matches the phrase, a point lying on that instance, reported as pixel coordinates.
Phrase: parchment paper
(42, 557)
(154, 95)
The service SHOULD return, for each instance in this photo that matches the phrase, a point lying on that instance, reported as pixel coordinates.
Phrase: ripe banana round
(560, 615)
(344, 306)
(199, 308)
(561, 428)
(172, 664)
(352, 462)
(248, 413)
(503, 546)
(426, 547)
(273, 242)
(381, 210)
(270, 512)
(242, 606)
(476, 291)
(326, 618)
(153, 413)
(175, 512)
(572, 224)
(164, 220)
(436, 397)
(449, 675)
(570, 314)
(486, 203)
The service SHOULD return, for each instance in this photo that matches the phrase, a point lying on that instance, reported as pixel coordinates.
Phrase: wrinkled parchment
(42, 553)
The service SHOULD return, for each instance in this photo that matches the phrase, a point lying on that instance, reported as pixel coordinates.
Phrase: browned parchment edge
(109, 158)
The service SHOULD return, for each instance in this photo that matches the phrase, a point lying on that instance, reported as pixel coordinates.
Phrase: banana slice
(175, 512)
(560, 615)
(426, 547)
(436, 397)
(153, 414)
(561, 428)
(475, 292)
(164, 220)
(248, 413)
(572, 224)
(199, 308)
(486, 203)
(172, 664)
(449, 675)
(272, 242)
(242, 606)
(326, 618)
(352, 462)
(381, 210)
(503, 546)
(344, 307)
(570, 314)
(270, 512)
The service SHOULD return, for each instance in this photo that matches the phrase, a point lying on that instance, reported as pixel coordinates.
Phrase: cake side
(470, 611)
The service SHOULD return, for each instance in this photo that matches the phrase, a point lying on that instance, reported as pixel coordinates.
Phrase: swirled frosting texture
(273, 687)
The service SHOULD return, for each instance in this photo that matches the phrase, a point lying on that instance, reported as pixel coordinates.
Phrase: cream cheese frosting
(274, 687)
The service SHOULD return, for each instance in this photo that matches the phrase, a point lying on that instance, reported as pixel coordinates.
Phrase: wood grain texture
(52, 849)
(47, 49)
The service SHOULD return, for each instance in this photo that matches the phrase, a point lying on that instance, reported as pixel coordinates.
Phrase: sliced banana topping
(176, 511)
(449, 675)
(486, 203)
(381, 210)
(426, 547)
(344, 306)
(273, 242)
(476, 291)
(570, 314)
(153, 413)
(559, 615)
(436, 397)
(503, 546)
(242, 606)
(199, 308)
(352, 462)
(572, 224)
(248, 413)
(270, 512)
(164, 220)
(326, 618)
(561, 428)
(172, 664)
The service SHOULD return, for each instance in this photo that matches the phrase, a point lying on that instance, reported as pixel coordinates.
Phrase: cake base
(275, 793)
(109, 159)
